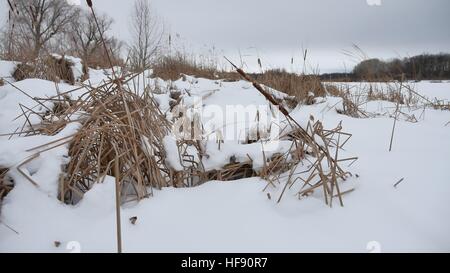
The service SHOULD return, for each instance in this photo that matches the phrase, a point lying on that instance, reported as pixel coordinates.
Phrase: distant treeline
(420, 67)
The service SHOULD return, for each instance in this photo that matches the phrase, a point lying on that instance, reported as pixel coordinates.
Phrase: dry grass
(304, 87)
(121, 136)
(350, 102)
(23, 71)
(396, 92)
(100, 61)
(317, 177)
(47, 68)
(60, 69)
(172, 68)
(122, 129)
(2, 82)
(399, 93)
(441, 105)
(333, 90)
(6, 184)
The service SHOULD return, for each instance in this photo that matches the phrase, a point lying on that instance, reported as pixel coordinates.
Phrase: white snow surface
(7, 69)
(238, 216)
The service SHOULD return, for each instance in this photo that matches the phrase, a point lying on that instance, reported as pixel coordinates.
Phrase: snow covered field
(238, 216)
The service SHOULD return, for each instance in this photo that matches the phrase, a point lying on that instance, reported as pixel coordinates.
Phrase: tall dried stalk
(395, 118)
(118, 224)
(89, 3)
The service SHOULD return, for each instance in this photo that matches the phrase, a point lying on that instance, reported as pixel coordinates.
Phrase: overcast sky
(276, 30)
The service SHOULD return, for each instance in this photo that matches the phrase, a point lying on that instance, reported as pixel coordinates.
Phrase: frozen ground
(238, 216)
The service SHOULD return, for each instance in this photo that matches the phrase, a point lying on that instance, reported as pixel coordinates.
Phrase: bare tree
(85, 37)
(147, 32)
(38, 21)
(99, 57)
(8, 46)
(6, 49)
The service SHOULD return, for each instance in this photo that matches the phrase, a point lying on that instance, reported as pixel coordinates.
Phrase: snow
(237, 216)
(439, 90)
(46, 167)
(7, 69)
(23, 93)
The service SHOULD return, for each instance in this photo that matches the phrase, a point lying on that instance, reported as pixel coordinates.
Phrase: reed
(303, 87)
(6, 184)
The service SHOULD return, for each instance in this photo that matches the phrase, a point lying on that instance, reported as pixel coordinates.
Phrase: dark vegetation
(420, 67)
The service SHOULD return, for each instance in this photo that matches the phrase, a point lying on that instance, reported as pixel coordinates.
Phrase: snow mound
(7, 69)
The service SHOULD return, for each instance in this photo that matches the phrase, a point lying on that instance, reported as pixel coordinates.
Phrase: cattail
(89, 3)
(10, 6)
(133, 220)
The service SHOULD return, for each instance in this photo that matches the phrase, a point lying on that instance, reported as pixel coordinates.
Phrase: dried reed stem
(118, 224)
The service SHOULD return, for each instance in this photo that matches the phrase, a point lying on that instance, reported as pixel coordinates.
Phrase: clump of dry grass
(6, 184)
(304, 87)
(350, 107)
(441, 105)
(391, 93)
(173, 67)
(23, 71)
(47, 68)
(2, 82)
(316, 177)
(60, 69)
(121, 136)
(350, 102)
(117, 133)
(333, 90)
(232, 171)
